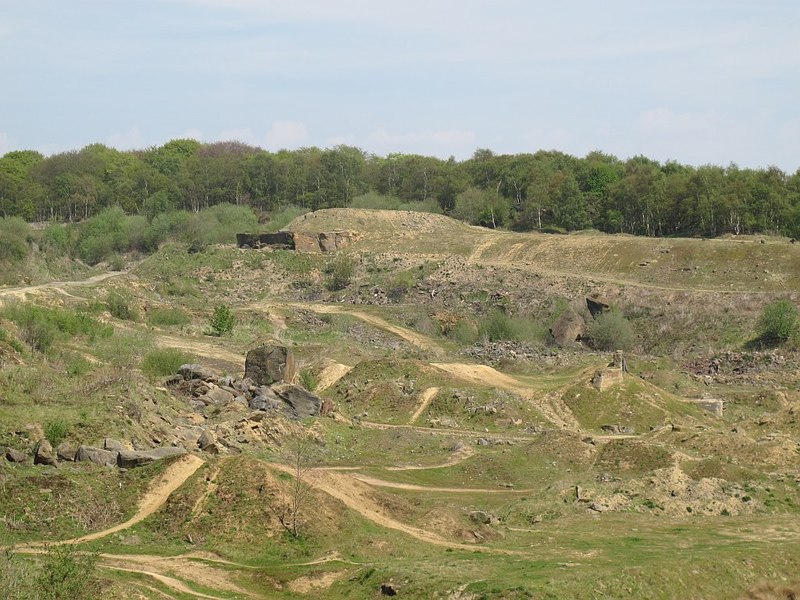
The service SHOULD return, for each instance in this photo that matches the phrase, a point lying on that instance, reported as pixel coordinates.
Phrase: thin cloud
(129, 140)
(287, 135)
(7, 143)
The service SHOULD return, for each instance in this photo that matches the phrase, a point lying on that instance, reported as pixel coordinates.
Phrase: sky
(695, 81)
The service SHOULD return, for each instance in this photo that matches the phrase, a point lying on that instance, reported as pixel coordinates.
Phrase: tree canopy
(547, 190)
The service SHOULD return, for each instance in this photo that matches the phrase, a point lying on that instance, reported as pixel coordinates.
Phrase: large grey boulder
(569, 329)
(43, 454)
(299, 402)
(270, 364)
(97, 456)
(129, 459)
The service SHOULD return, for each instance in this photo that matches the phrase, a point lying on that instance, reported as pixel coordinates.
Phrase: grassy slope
(559, 547)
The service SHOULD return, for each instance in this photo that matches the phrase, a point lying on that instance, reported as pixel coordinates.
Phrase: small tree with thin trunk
(293, 500)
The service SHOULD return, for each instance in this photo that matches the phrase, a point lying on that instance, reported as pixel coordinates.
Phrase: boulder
(16, 456)
(43, 454)
(195, 371)
(270, 364)
(113, 445)
(597, 307)
(207, 441)
(265, 399)
(217, 396)
(66, 451)
(480, 517)
(97, 456)
(299, 403)
(569, 328)
(129, 459)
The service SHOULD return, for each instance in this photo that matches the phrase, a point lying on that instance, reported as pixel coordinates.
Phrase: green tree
(222, 320)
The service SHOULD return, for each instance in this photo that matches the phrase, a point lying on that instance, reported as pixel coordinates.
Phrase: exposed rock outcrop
(270, 364)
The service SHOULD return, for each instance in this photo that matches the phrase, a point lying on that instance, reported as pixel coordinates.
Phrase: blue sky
(702, 81)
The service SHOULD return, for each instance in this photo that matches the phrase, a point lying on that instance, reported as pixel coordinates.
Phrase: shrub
(102, 235)
(778, 321)
(611, 331)
(308, 380)
(56, 431)
(67, 574)
(164, 361)
(219, 224)
(222, 321)
(464, 332)
(56, 240)
(164, 317)
(497, 326)
(119, 305)
(340, 272)
(14, 233)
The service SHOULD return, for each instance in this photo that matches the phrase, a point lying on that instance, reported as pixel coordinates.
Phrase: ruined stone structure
(607, 378)
(326, 241)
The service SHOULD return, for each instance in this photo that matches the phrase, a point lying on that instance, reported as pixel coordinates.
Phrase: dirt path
(560, 416)
(160, 489)
(330, 375)
(177, 568)
(424, 401)
(20, 292)
(374, 481)
(200, 348)
(458, 457)
(412, 337)
(170, 582)
(356, 496)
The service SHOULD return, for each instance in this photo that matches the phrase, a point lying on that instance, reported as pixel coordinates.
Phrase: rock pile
(113, 454)
(266, 386)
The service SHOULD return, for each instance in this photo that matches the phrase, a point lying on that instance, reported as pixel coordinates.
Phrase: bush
(464, 332)
(119, 305)
(102, 235)
(611, 331)
(219, 224)
(222, 321)
(340, 272)
(778, 321)
(164, 361)
(56, 431)
(67, 574)
(56, 240)
(308, 380)
(497, 326)
(14, 233)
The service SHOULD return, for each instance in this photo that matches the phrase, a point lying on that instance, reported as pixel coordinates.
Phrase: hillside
(459, 451)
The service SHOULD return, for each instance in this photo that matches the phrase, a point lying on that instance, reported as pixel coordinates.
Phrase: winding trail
(374, 481)
(356, 495)
(174, 476)
(20, 292)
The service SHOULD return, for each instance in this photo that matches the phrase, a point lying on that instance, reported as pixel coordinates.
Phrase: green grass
(169, 317)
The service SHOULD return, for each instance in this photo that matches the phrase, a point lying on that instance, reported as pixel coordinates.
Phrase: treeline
(546, 191)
